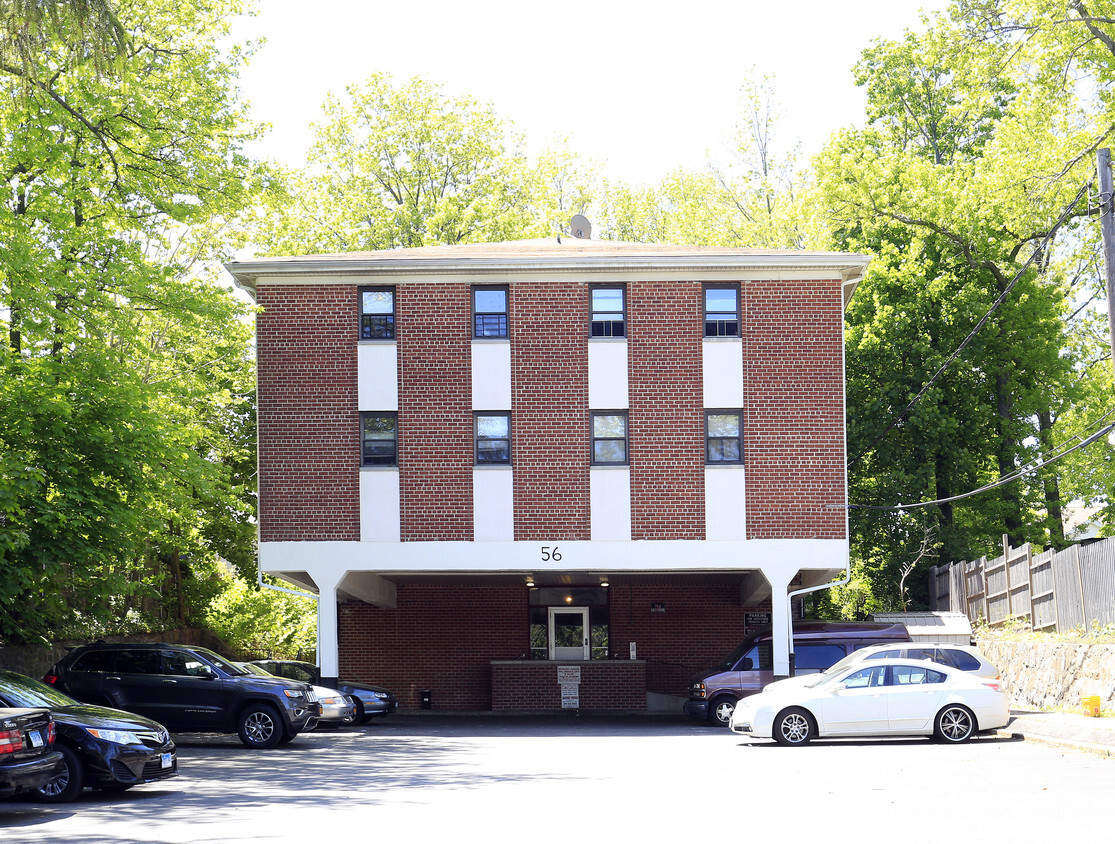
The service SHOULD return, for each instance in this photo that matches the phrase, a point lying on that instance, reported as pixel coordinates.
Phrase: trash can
(427, 699)
(1091, 705)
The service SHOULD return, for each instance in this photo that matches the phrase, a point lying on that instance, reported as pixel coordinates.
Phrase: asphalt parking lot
(491, 778)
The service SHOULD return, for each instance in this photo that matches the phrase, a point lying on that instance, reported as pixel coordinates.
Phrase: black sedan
(104, 748)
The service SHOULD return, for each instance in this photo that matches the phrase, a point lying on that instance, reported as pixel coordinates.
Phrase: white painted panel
(722, 372)
(491, 375)
(607, 375)
(493, 505)
(610, 504)
(377, 367)
(725, 503)
(379, 505)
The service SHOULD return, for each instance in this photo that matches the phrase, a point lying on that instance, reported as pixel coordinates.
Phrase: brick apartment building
(518, 471)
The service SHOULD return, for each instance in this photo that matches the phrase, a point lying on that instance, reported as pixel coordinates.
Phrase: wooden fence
(1052, 590)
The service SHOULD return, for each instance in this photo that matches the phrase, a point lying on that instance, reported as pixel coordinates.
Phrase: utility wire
(1006, 479)
(979, 325)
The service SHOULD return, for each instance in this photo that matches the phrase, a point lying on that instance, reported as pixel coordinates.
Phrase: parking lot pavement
(548, 779)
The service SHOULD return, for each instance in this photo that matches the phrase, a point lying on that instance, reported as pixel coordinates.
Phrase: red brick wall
(309, 429)
(666, 417)
(701, 624)
(440, 638)
(435, 411)
(608, 685)
(549, 397)
(793, 409)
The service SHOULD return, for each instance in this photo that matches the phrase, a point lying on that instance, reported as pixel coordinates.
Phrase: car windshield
(221, 662)
(23, 691)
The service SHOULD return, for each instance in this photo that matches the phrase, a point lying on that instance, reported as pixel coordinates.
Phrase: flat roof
(544, 257)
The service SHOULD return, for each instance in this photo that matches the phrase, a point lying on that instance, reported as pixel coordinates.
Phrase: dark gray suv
(188, 689)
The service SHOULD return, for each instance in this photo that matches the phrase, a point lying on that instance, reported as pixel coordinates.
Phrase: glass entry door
(569, 629)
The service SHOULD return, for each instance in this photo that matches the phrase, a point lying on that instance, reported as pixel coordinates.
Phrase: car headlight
(295, 694)
(332, 701)
(115, 736)
(380, 695)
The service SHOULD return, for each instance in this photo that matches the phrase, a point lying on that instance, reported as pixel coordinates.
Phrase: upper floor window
(489, 312)
(722, 310)
(609, 437)
(493, 438)
(608, 312)
(377, 313)
(723, 443)
(379, 439)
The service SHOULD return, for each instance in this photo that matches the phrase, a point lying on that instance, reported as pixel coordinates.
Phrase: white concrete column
(327, 650)
(779, 573)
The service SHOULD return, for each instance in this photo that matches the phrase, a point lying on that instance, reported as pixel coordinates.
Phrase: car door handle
(168, 680)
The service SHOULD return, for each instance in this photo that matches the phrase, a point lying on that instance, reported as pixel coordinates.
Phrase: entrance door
(569, 633)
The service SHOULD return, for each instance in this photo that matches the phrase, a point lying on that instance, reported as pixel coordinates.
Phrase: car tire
(65, 787)
(954, 724)
(360, 717)
(287, 738)
(260, 726)
(793, 727)
(720, 711)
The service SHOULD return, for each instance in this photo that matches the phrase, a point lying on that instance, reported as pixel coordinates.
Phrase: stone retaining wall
(1054, 675)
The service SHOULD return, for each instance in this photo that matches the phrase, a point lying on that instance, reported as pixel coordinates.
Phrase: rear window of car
(963, 660)
(94, 661)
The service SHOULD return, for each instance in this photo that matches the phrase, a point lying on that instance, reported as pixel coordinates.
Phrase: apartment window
(722, 310)
(377, 313)
(493, 439)
(723, 443)
(609, 437)
(489, 312)
(608, 312)
(379, 439)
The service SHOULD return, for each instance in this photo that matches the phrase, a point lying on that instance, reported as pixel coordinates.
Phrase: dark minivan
(750, 667)
(188, 689)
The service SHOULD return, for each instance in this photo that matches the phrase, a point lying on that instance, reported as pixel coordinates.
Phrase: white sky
(642, 86)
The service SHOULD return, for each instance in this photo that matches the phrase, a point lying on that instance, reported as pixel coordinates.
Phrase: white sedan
(890, 697)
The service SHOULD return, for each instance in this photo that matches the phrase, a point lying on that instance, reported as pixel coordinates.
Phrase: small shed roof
(932, 626)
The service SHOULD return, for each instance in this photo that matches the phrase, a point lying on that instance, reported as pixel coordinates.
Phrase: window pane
(492, 426)
(379, 427)
(723, 450)
(607, 301)
(609, 451)
(493, 451)
(378, 446)
(491, 301)
(720, 300)
(379, 301)
(612, 425)
(723, 425)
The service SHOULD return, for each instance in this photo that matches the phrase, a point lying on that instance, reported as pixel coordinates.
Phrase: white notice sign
(570, 696)
(569, 674)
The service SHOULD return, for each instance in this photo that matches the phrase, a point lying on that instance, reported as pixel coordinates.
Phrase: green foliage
(126, 375)
(254, 620)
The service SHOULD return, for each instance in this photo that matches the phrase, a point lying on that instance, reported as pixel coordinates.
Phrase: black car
(371, 701)
(104, 748)
(188, 689)
(27, 755)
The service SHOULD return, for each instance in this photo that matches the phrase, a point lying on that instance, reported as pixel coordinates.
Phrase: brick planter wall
(533, 685)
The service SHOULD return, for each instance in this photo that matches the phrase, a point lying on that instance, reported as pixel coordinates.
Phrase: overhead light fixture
(604, 581)
(569, 599)
(530, 581)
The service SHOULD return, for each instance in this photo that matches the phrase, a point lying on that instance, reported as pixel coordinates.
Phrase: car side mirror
(839, 687)
(208, 673)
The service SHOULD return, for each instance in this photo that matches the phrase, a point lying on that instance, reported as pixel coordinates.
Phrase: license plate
(168, 760)
(36, 739)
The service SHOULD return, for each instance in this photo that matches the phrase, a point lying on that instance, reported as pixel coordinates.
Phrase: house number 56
(551, 554)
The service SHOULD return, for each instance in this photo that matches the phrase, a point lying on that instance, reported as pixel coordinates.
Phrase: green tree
(405, 165)
(126, 371)
(958, 180)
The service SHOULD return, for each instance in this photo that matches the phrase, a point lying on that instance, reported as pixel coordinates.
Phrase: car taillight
(994, 684)
(50, 733)
(50, 679)
(10, 741)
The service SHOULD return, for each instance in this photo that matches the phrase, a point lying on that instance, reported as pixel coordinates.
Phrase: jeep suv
(188, 689)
